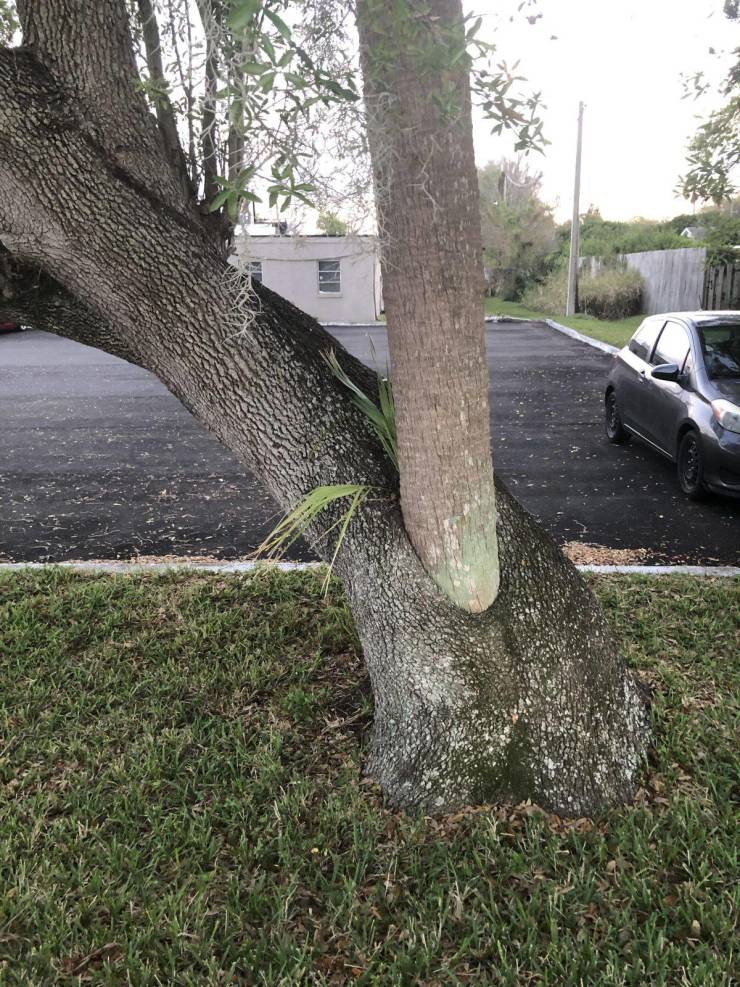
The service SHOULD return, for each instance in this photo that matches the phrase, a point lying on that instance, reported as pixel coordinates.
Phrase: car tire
(690, 466)
(615, 430)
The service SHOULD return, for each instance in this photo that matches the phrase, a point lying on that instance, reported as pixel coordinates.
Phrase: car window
(673, 346)
(642, 342)
(721, 350)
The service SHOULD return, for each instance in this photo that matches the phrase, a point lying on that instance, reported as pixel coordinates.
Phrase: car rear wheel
(615, 430)
(690, 466)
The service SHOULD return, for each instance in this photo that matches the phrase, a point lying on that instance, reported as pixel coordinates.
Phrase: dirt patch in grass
(584, 553)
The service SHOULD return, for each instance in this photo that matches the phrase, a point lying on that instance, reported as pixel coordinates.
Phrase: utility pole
(572, 302)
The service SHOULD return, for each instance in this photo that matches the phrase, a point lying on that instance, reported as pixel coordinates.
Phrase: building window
(330, 278)
(255, 270)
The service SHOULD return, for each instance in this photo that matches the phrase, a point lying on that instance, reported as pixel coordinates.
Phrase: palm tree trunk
(417, 91)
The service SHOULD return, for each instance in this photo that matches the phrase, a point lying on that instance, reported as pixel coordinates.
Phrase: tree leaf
(241, 14)
(232, 207)
(296, 80)
(268, 48)
(279, 23)
(254, 68)
(218, 200)
(338, 90)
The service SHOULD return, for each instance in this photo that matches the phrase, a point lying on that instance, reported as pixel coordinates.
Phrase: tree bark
(28, 296)
(86, 48)
(530, 698)
(417, 92)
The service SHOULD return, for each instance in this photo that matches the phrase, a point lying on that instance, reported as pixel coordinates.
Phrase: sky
(624, 59)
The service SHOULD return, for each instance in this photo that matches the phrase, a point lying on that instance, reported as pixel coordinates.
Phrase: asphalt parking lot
(98, 460)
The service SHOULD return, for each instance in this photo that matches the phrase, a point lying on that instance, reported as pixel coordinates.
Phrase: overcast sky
(624, 59)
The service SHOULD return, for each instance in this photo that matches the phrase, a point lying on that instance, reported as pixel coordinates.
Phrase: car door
(634, 368)
(664, 401)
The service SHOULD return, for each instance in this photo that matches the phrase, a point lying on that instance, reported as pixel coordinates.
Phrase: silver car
(676, 386)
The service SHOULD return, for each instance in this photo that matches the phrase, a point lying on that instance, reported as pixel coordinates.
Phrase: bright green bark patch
(181, 792)
(469, 573)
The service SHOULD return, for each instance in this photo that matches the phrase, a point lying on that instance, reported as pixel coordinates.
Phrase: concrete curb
(352, 325)
(235, 568)
(588, 340)
(507, 318)
(725, 571)
(496, 319)
(566, 331)
(113, 566)
(375, 325)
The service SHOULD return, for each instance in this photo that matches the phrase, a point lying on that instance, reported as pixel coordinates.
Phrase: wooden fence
(722, 287)
(674, 279)
(679, 281)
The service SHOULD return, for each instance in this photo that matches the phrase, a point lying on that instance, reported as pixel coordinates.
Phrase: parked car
(10, 327)
(676, 386)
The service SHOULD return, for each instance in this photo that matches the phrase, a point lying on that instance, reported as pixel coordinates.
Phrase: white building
(333, 278)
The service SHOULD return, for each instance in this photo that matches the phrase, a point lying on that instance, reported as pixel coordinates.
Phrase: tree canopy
(518, 227)
(714, 152)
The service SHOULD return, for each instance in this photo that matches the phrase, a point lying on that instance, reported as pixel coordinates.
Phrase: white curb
(727, 571)
(507, 318)
(376, 324)
(352, 325)
(596, 343)
(233, 568)
(566, 331)
(125, 568)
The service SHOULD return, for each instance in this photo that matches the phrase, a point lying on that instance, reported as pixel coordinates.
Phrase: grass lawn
(617, 333)
(182, 803)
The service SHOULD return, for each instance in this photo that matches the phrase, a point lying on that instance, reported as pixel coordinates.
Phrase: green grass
(617, 332)
(182, 803)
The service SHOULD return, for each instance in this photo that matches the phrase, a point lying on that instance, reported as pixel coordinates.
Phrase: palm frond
(296, 522)
(382, 419)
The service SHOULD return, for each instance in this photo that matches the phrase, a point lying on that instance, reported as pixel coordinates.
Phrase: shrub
(613, 293)
(548, 296)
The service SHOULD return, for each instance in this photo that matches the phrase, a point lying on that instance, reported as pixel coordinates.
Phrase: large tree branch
(28, 296)
(247, 366)
(163, 107)
(86, 47)
(208, 114)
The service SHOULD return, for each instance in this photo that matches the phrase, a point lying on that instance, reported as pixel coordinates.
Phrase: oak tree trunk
(527, 699)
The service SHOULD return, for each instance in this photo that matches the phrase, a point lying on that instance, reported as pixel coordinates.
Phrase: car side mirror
(665, 371)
